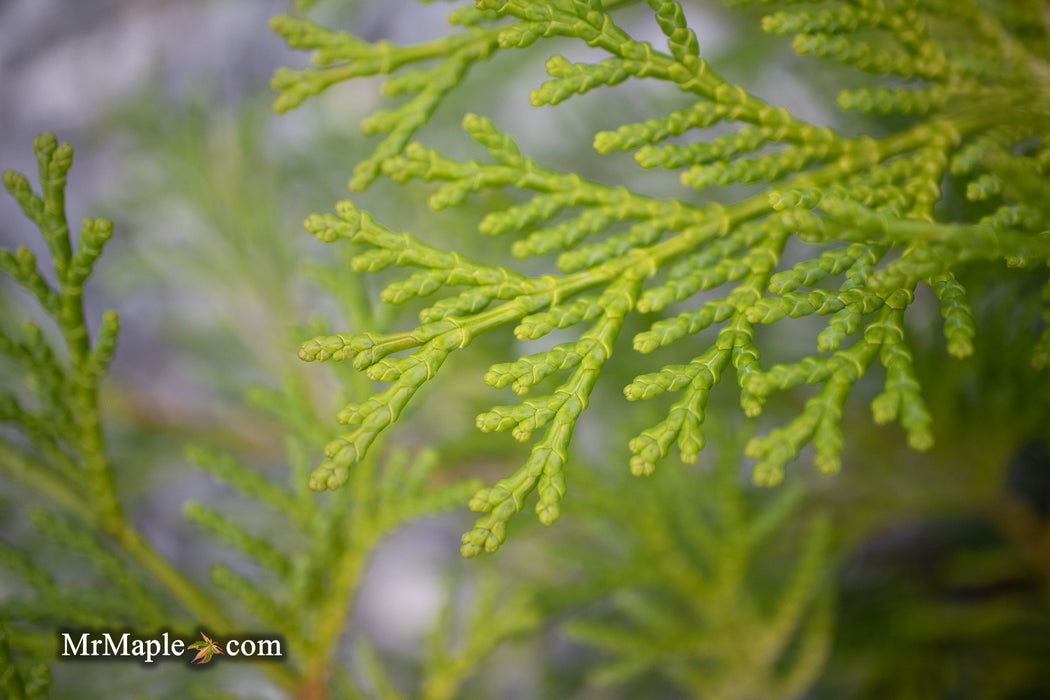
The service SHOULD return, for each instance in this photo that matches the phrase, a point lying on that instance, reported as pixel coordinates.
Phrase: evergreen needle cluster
(308, 569)
(682, 585)
(969, 83)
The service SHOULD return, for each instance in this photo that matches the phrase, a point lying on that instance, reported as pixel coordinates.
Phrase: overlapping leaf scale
(864, 206)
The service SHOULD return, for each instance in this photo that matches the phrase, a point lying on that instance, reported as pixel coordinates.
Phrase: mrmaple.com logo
(125, 645)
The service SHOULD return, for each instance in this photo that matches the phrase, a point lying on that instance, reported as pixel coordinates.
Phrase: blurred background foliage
(904, 576)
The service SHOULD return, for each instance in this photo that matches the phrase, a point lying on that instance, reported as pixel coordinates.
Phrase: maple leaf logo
(205, 650)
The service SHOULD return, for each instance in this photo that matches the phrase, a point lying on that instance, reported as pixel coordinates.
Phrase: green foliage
(17, 683)
(60, 421)
(685, 597)
(450, 657)
(690, 583)
(311, 558)
(862, 208)
(326, 562)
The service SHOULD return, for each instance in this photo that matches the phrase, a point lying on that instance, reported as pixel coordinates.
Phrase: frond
(863, 208)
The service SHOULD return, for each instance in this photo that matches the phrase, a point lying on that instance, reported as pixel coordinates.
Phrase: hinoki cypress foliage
(54, 446)
(968, 83)
(842, 236)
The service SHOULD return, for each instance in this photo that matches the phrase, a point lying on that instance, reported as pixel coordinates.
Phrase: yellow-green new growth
(65, 391)
(52, 444)
(863, 207)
